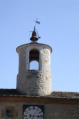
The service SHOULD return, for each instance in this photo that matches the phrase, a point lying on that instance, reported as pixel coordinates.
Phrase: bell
(34, 36)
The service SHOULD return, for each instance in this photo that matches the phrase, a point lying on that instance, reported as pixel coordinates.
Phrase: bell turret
(34, 36)
(34, 82)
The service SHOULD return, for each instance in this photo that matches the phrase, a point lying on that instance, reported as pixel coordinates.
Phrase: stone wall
(51, 111)
(34, 82)
(61, 111)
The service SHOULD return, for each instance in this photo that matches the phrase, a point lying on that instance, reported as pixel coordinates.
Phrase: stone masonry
(34, 82)
(52, 109)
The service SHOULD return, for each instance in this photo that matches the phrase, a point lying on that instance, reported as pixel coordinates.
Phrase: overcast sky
(59, 28)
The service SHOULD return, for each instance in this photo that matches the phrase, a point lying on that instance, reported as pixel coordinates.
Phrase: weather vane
(34, 36)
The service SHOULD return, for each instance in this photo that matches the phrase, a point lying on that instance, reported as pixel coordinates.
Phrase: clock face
(33, 112)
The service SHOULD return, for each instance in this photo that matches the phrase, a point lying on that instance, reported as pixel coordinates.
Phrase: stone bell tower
(34, 82)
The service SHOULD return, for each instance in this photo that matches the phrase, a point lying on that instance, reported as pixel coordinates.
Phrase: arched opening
(34, 59)
(34, 65)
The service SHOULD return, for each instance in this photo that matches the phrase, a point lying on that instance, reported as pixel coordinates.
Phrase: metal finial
(34, 36)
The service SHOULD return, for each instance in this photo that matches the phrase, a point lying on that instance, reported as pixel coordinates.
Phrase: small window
(34, 59)
(9, 114)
